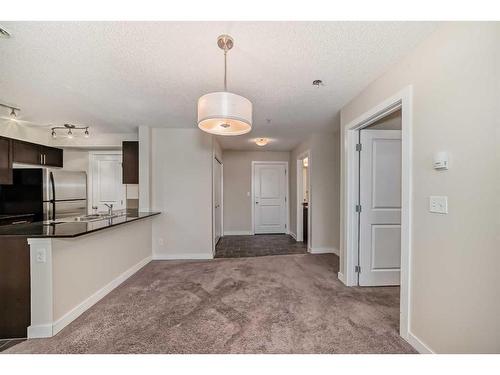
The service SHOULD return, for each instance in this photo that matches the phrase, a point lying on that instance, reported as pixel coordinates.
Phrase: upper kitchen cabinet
(130, 162)
(31, 153)
(5, 161)
(52, 156)
(26, 152)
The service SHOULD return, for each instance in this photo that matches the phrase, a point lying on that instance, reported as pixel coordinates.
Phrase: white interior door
(380, 200)
(217, 200)
(269, 199)
(107, 184)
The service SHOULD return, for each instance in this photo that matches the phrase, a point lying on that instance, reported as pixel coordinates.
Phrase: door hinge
(285, 199)
(357, 269)
(358, 147)
(358, 208)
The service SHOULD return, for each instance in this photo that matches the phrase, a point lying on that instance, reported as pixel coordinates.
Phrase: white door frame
(300, 194)
(287, 206)
(402, 100)
(90, 190)
(216, 159)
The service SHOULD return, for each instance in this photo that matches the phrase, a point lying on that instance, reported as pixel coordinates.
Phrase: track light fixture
(13, 114)
(70, 128)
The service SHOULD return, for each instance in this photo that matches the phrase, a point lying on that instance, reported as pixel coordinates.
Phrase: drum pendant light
(224, 113)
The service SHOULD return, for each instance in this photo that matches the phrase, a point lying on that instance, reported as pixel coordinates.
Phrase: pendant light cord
(225, 70)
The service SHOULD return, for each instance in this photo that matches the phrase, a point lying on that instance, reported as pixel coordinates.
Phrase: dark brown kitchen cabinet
(52, 156)
(5, 161)
(130, 162)
(31, 153)
(26, 152)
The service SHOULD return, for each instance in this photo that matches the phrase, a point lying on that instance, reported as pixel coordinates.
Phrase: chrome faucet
(110, 208)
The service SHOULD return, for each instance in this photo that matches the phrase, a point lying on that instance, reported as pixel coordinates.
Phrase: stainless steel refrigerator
(64, 194)
(45, 194)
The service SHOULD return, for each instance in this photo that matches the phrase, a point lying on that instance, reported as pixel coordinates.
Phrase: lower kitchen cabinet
(15, 315)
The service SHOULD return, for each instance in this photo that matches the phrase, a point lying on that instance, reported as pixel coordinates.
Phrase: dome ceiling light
(224, 113)
(261, 141)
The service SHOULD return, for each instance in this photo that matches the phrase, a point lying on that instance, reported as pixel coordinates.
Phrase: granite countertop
(14, 216)
(71, 229)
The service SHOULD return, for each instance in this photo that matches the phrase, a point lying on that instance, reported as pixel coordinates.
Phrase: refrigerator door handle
(53, 200)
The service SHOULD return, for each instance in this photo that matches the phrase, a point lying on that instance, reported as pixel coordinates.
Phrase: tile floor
(258, 245)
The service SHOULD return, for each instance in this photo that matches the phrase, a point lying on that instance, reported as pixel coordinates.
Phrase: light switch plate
(438, 204)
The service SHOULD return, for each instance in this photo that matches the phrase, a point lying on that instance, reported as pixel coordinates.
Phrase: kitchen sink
(87, 218)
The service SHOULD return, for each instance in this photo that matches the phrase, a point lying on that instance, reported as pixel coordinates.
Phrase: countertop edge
(82, 233)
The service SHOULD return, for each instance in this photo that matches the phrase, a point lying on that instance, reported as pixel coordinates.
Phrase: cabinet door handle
(44, 157)
(41, 159)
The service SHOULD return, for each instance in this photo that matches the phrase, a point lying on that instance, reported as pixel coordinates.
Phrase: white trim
(300, 193)
(41, 297)
(96, 297)
(184, 256)
(324, 250)
(40, 331)
(216, 159)
(419, 344)
(403, 100)
(341, 277)
(287, 179)
(238, 233)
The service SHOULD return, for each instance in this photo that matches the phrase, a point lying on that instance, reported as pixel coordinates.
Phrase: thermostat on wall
(440, 160)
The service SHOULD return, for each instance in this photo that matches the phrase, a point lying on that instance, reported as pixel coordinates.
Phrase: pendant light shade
(224, 113)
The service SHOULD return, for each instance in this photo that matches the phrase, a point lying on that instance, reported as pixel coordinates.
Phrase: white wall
(324, 202)
(12, 129)
(238, 187)
(181, 188)
(325, 192)
(455, 73)
(294, 154)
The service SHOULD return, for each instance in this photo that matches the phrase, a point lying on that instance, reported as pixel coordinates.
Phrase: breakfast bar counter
(53, 272)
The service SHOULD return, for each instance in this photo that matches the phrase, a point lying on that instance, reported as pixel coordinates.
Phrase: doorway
(303, 221)
(401, 101)
(269, 197)
(106, 184)
(217, 201)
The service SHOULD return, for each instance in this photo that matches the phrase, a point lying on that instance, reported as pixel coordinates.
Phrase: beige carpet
(273, 304)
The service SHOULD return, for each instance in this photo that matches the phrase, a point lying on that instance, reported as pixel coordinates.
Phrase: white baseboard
(94, 298)
(40, 331)
(341, 277)
(238, 233)
(294, 236)
(324, 250)
(183, 256)
(418, 344)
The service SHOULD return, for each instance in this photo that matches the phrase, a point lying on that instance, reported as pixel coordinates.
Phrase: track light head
(86, 134)
(70, 134)
(54, 134)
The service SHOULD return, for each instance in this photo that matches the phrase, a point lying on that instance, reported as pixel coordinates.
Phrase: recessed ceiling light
(4, 33)
(317, 83)
(261, 141)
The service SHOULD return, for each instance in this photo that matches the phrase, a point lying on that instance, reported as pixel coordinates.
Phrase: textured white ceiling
(115, 76)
